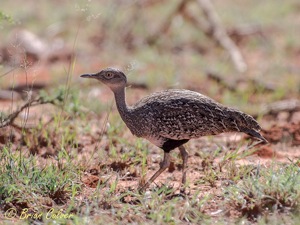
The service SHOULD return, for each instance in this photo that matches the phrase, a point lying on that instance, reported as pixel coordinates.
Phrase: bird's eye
(109, 75)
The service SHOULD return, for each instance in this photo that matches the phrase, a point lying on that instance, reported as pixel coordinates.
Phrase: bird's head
(111, 77)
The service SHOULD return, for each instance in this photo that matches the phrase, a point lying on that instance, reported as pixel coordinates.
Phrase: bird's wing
(188, 118)
(182, 114)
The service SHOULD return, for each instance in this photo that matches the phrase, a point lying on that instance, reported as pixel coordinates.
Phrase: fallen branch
(166, 25)
(212, 28)
(219, 34)
(9, 120)
(239, 33)
(258, 85)
(289, 105)
(219, 80)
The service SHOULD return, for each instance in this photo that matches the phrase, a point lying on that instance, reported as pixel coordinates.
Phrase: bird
(170, 118)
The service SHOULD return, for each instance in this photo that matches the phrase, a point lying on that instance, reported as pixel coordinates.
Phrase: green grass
(266, 190)
(24, 183)
(33, 182)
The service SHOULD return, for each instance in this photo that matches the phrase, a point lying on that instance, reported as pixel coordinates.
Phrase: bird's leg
(184, 156)
(163, 166)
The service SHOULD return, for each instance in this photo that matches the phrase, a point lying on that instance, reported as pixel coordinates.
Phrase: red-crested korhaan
(172, 117)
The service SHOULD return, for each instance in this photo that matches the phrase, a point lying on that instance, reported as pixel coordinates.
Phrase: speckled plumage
(170, 118)
(182, 114)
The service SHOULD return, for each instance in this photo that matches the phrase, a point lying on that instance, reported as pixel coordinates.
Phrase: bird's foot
(142, 187)
(141, 190)
(183, 190)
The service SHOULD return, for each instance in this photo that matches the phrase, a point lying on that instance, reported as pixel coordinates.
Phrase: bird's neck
(123, 109)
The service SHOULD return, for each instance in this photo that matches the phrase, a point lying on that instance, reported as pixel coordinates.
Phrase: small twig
(259, 85)
(138, 85)
(219, 80)
(238, 33)
(24, 87)
(8, 72)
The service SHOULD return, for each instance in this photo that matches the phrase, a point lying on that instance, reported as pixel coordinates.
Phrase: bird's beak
(88, 75)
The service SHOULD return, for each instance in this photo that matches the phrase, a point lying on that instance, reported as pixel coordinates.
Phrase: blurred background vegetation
(97, 34)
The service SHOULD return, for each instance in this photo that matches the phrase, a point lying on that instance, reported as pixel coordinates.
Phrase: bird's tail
(247, 124)
(253, 133)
